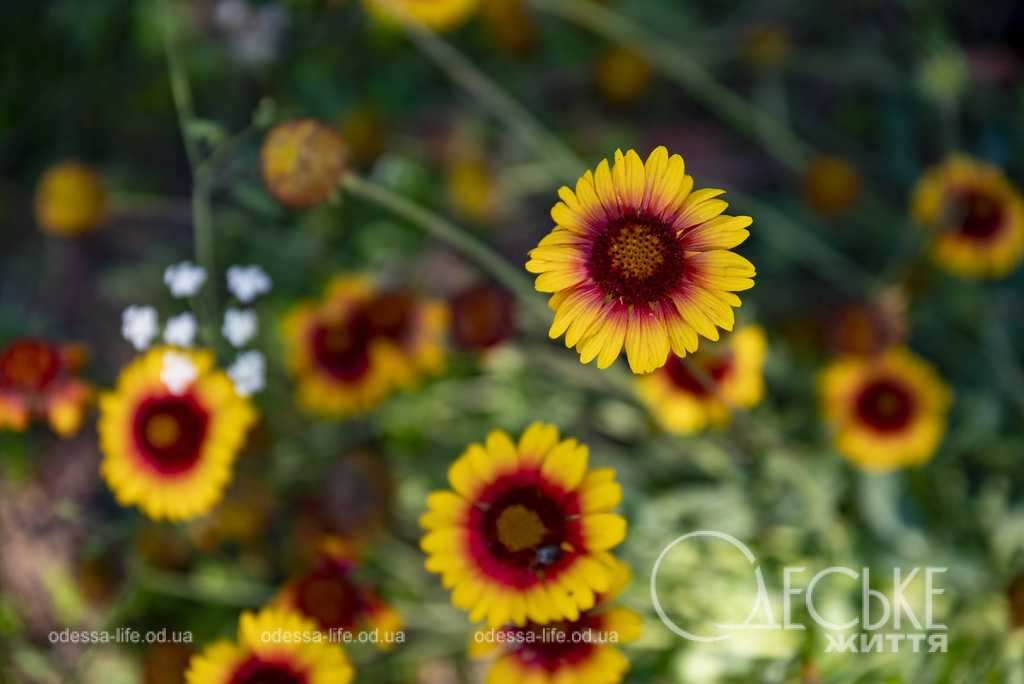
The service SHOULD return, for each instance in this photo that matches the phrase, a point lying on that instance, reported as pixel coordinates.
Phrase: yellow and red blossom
(39, 380)
(641, 262)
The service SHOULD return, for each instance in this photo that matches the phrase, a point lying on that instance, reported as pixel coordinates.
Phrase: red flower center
(389, 314)
(481, 317)
(29, 365)
(977, 215)
(558, 644)
(636, 260)
(257, 671)
(682, 375)
(328, 596)
(342, 348)
(524, 529)
(169, 432)
(886, 405)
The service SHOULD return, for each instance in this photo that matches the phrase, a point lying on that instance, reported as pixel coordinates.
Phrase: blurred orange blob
(510, 25)
(166, 663)
(38, 378)
(70, 200)
(483, 317)
(768, 45)
(303, 162)
(622, 75)
(831, 185)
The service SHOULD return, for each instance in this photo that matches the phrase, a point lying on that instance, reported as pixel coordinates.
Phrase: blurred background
(819, 119)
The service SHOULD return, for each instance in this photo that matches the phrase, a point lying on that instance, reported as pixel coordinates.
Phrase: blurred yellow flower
(472, 188)
(273, 646)
(680, 401)
(525, 532)
(303, 162)
(70, 200)
(975, 216)
(510, 25)
(768, 45)
(352, 349)
(439, 15)
(831, 185)
(622, 74)
(887, 412)
(637, 260)
(171, 453)
(582, 651)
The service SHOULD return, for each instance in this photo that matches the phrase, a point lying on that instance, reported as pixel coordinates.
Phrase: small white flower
(180, 330)
(178, 372)
(139, 325)
(248, 372)
(184, 279)
(240, 326)
(248, 282)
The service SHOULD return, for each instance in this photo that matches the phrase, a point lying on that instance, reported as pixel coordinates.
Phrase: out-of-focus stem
(202, 214)
(494, 99)
(508, 275)
(774, 137)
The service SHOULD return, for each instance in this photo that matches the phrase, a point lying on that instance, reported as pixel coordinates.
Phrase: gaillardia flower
(70, 200)
(637, 260)
(526, 532)
(358, 344)
(679, 397)
(39, 379)
(439, 15)
(273, 646)
(887, 411)
(331, 596)
(976, 217)
(303, 162)
(582, 651)
(483, 316)
(171, 453)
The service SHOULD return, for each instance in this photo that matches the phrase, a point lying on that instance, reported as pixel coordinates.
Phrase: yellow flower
(472, 188)
(350, 351)
(303, 161)
(38, 379)
(975, 215)
(582, 651)
(273, 646)
(525, 532)
(70, 200)
(439, 15)
(888, 411)
(639, 260)
(831, 185)
(332, 597)
(171, 454)
(622, 75)
(683, 404)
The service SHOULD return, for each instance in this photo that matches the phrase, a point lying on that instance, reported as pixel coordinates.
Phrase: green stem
(512, 278)
(494, 99)
(773, 136)
(202, 213)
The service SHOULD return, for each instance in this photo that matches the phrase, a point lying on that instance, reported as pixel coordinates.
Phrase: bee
(546, 556)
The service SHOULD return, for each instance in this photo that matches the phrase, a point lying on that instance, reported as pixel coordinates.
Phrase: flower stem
(202, 214)
(773, 136)
(494, 99)
(511, 277)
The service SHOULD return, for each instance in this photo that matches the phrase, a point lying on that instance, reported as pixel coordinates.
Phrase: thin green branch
(773, 136)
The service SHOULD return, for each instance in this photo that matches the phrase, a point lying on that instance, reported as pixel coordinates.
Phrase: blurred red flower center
(327, 596)
(681, 372)
(169, 432)
(256, 671)
(390, 314)
(636, 260)
(886, 405)
(978, 215)
(481, 317)
(29, 365)
(538, 646)
(343, 348)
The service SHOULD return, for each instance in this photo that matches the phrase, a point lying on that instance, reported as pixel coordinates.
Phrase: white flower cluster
(140, 325)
